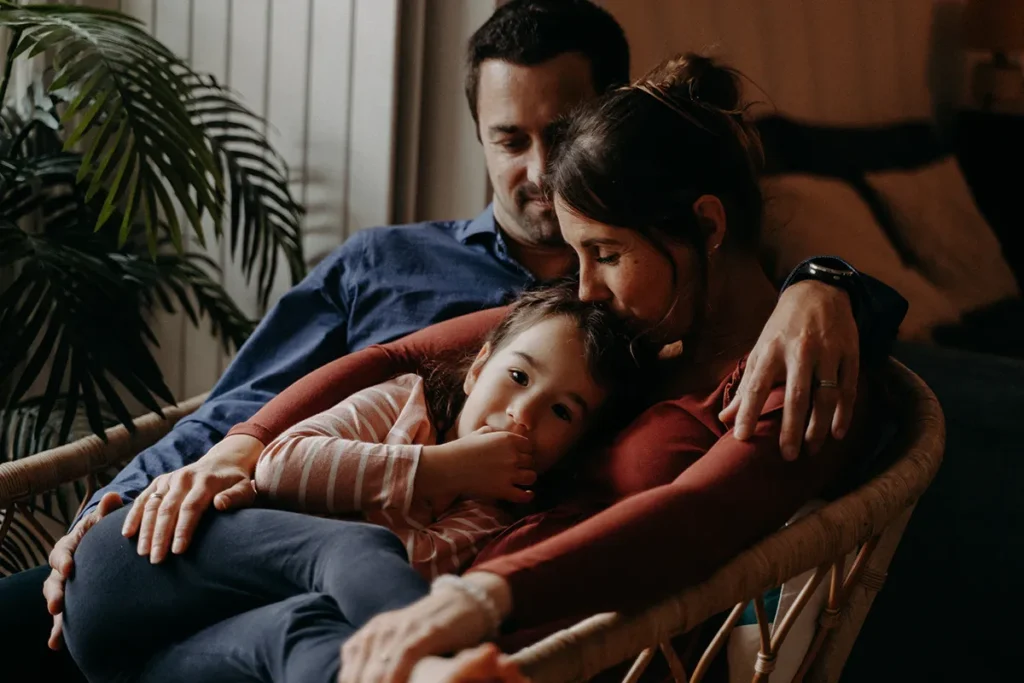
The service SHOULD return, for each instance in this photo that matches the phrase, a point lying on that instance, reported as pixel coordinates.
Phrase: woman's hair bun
(698, 78)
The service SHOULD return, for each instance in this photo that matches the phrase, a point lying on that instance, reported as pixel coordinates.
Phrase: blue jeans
(261, 595)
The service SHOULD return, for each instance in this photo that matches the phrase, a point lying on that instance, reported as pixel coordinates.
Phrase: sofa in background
(894, 201)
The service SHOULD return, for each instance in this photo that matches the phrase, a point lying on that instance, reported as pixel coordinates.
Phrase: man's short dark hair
(528, 32)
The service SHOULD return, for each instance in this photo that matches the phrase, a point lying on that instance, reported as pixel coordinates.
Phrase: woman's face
(536, 384)
(624, 270)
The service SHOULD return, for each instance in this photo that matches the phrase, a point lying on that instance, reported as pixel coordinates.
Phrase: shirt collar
(485, 228)
(483, 224)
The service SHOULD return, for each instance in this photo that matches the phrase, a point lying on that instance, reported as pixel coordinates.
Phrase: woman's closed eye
(607, 259)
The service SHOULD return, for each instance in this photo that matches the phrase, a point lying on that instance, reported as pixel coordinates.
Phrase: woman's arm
(327, 386)
(658, 541)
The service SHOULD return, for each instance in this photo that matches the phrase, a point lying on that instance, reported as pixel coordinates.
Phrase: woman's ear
(710, 214)
(474, 370)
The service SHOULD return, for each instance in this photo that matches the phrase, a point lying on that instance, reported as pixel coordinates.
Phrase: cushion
(935, 214)
(810, 215)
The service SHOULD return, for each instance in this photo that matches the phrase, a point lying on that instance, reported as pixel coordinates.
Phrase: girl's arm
(334, 462)
(452, 542)
(327, 386)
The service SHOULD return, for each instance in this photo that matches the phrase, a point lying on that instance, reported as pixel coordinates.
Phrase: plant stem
(9, 65)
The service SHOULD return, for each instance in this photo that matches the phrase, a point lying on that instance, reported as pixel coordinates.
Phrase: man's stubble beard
(540, 227)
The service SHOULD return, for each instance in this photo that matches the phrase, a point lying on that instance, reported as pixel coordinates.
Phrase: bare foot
(482, 664)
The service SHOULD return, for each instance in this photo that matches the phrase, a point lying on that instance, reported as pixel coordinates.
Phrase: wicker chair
(869, 520)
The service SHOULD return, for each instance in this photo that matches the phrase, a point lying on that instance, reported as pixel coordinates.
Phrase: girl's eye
(562, 412)
(519, 377)
(609, 259)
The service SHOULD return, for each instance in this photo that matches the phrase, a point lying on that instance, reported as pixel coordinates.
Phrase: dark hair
(640, 156)
(613, 360)
(528, 32)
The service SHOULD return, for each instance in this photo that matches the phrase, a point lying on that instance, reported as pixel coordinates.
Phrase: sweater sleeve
(450, 543)
(660, 540)
(331, 383)
(337, 461)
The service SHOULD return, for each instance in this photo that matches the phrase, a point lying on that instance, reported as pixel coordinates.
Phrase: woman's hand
(482, 664)
(811, 337)
(448, 620)
(171, 506)
(486, 464)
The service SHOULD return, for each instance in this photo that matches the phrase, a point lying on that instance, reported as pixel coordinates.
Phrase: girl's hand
(166, 513)
(486, 464)
(387, 648)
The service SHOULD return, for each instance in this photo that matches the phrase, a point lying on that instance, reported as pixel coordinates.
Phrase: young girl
(426, 461)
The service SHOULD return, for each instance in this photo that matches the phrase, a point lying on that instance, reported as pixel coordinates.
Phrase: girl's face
(537, 385)
(624, 270)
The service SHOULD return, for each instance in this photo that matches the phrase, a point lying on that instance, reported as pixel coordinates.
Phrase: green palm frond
(127, 102)
(264, 217)
(121, 132)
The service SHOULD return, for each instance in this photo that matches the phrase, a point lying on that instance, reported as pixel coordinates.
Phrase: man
(530, 63)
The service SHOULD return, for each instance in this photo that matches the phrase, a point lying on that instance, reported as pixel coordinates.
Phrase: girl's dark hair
(614, 362)
(640, 156)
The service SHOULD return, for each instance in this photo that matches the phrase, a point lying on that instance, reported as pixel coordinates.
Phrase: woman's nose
(591, 289)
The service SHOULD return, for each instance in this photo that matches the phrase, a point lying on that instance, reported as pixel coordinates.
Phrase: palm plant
(104, 165)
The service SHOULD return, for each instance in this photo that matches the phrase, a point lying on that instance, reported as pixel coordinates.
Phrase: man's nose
(537, 164)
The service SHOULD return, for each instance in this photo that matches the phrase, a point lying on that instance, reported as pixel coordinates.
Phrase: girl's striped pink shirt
(359, 459)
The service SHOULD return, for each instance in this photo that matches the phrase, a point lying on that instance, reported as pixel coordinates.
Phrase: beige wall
(830, 61)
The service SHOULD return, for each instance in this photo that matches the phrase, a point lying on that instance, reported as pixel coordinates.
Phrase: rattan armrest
(44, 471)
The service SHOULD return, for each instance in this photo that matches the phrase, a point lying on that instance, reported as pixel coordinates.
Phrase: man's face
(516, 107)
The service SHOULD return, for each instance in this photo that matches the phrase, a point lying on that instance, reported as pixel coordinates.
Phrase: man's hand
(811, 338)
(169, 509)
(62, 563)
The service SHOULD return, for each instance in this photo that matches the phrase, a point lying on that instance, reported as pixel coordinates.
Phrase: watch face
(817, 269)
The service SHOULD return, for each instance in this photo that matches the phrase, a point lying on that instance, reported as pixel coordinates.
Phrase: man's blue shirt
(382, 284)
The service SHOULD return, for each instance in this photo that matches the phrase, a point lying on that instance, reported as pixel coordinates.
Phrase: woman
(656, 189)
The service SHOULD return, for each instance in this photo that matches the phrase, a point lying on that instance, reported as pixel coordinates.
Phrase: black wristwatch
(832, 271)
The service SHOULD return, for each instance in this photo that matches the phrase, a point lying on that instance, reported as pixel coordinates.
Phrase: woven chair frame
(869, 520)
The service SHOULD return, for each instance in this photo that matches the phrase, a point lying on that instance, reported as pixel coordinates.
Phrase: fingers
(167, 519)
(56, 638)
(524, 461)
(509, 671)
(242, 494)
(794, 413)
(108, 503)
(354, 658)
(849, 374)
(133, 520)
(516, 495)
(53, 592)
(755, 386)
(151, 509)
(825, 399)
(61, 557)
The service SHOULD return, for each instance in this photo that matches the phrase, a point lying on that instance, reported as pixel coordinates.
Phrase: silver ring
(385, 658)
(156, 495)
(828, 384)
